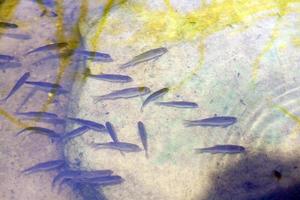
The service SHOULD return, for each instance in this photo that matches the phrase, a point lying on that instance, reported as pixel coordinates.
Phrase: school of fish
(79, 178)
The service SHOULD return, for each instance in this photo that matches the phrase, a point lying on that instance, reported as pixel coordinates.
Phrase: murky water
(232, 58)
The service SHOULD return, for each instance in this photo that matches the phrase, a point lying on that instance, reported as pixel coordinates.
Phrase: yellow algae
(286, 112)
(12, 119)
(296, 41)
(7, 9)
(101, 24)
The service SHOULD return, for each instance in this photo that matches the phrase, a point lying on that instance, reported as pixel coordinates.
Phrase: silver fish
(146, 56)
(225, 149)
(22, 80)
(45, 166)
(48, 47)
(154, 96)
(115, 78)
(178, 104)
(143, 136)
(121, 146)
(70, 174)
(218, 121)
(123, 94)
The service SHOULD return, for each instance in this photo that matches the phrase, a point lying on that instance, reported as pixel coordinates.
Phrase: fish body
(7, 58)
(218, 121)
(8, 25)
(75, 133)
(111, 131)
(38, 114)
(143, 136)
(124, 93)
(144, 57)
(92, 125)
(45, 166)
(71, 174)
(115, 78)
(121, 146)
(9, 65)
(48, 87)
(224, 149)
(18, 36)
(48, 47)
(178, 104)
(22, 80)
(44, 131)
(94, 56)
(154, 96)
(102, 181)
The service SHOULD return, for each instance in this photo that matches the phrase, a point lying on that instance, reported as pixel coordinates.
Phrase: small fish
(101, 181)
(218, 121)
(75, 133)
(48, 47)
(225, 149)
(48, 87)
(18, 84)
(115, 78)
(44, 131)
(70, 174)
(8, 25)
(146, 56)
(124, 93)
(7, 58)
(18, 36)
(178, 104)
(61, 55)
(92, 125)
(121, 146)
(38, 114)
(45, 166)
(154, 96)
(143, 136)
(94, 56)
(48, 13)
(9, 65)
(111, 131)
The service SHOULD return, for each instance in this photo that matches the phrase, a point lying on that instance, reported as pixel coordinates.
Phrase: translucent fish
(111, 131)
(92, 125)
(116, 78)
(18, 36)
(8, 25)
(146, 56)
(45, 166)
(7, 58)
(39, 130)
(94, 56)
(101, 181)
(38, 114)
(9, 65)
(75, 133)
(143, 136)
(48, 87)
(218, 121)
(22, 80)
(154, 96)
(71, 174)
(121, 146)
(178, 104)
(124, 93)
(49, 47)
(225, 149)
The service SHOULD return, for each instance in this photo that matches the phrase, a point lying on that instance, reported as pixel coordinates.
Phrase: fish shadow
(253, 178)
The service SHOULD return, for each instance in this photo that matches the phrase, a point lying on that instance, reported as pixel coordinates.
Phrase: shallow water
(232, 58)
